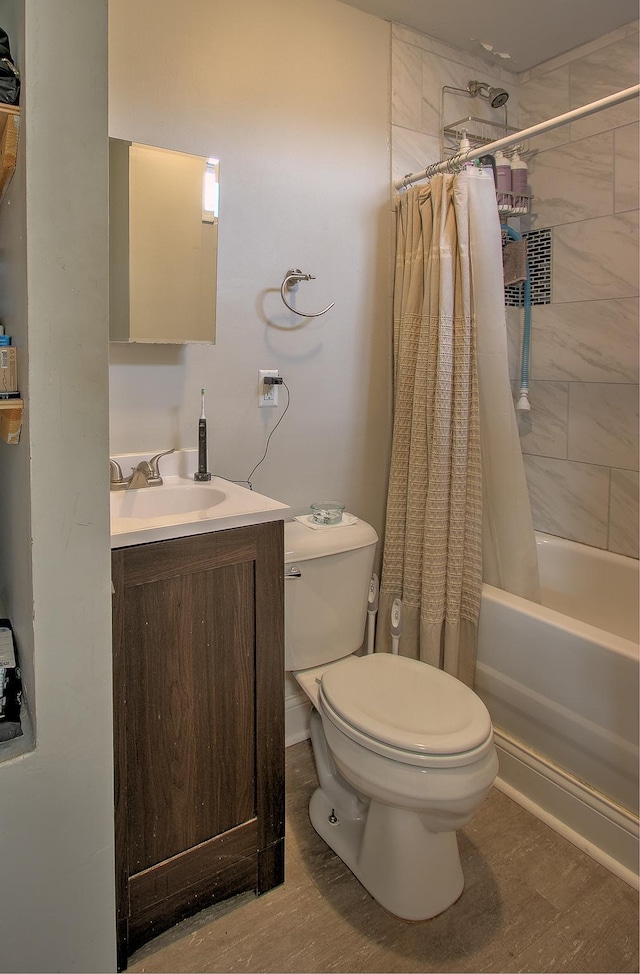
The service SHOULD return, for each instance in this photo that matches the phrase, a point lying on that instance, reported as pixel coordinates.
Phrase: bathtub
(560, 681)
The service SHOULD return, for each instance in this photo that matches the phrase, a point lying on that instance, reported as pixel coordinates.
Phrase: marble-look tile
(596, 258)
(542, 98)
(411, 151)
(603, 424)
(605, 40)
(569, 499)
(479, 66)
(406, 75)
(543, 430)
(623, 513)
(591, 341)
(602, 73)
(422, 67)
(440, 72)
(626, 168)
(572, 182)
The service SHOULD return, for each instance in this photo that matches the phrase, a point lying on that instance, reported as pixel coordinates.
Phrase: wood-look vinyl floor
(532, 902)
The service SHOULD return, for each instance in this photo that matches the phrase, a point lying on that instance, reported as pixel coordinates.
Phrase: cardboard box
(10, 420)
(8, 369)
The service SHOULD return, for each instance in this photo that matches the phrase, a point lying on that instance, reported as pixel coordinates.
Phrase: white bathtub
(560, 681)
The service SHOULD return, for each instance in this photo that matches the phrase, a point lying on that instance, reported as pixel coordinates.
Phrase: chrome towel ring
(291, 281)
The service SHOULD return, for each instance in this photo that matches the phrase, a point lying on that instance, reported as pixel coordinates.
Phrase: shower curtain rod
(455, 162)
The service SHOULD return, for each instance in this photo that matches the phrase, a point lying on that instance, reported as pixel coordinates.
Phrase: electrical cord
(266, 447)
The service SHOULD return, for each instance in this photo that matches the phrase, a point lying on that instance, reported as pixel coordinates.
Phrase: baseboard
(296, 718)
(588, 819)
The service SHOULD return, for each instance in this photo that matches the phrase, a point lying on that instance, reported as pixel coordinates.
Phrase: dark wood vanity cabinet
(198, 636)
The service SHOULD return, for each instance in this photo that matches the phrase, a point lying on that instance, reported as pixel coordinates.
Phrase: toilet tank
(326, 606)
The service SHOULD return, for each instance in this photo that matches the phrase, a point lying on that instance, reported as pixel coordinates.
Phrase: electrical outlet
(267, 395)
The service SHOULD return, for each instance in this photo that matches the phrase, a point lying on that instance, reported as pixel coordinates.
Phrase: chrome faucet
(146, 474)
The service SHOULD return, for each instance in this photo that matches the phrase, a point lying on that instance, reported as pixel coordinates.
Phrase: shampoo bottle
(465, 145)
(519, 183)
(503, 182)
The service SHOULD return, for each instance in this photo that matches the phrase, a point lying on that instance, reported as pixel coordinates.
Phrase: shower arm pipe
(455, 162)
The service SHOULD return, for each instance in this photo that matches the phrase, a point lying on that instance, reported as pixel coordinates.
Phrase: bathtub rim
(612, 557)
(605, 561)
(535, 610)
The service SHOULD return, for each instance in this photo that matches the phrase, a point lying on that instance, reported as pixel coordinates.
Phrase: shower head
(497, 96)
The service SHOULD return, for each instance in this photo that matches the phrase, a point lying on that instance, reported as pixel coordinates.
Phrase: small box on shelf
(11, 419)
(8, 370)
(9, 127)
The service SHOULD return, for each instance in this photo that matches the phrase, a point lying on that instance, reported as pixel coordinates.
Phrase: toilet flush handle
(293, 572)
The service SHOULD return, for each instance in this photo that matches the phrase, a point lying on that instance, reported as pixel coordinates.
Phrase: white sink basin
(180, 507)
(161, 501)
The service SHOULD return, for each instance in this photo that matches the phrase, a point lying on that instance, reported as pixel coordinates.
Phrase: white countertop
(232, 505)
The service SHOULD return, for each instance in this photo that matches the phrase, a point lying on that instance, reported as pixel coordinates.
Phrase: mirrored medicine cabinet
(163, 244)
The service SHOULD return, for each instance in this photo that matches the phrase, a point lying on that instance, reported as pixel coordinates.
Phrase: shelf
(479, 131)
(10, 409)
(9, 126)
(11, 419)
(513, 204)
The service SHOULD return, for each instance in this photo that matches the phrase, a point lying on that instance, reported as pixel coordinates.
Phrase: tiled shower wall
(420, 67)
(581, 438)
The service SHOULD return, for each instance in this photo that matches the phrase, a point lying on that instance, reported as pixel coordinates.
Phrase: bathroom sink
(184, 498)
(179, 507)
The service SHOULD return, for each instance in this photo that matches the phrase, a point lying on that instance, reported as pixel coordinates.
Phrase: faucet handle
(115, 472)
(154, 470)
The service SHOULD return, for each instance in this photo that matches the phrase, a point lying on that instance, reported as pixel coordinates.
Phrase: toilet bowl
(404, 752)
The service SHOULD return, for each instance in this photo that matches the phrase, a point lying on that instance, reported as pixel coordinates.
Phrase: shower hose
(523, 400)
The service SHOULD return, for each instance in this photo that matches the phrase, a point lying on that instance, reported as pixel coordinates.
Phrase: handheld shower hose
(523, 404)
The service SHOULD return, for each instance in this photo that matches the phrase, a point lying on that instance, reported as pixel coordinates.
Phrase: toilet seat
(406, 710)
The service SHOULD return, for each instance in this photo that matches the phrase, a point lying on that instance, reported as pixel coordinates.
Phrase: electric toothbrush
(202, 473)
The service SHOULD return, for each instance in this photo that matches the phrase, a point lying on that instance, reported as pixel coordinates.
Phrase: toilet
(404, 752)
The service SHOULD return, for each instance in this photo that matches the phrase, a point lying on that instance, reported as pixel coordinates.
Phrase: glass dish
(327, 512)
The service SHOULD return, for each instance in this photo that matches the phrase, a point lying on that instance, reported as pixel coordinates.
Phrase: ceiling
(527, 31)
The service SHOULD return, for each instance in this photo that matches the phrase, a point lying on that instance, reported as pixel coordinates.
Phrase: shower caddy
(474, 133)
(481, 132)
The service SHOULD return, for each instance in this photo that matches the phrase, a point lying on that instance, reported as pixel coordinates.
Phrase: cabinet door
(199, 784)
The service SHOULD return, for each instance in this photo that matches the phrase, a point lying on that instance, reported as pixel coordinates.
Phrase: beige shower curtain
(433, 536)
(453, 516)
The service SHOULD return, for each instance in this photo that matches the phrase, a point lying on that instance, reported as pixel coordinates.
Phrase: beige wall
(293, 97)
(56, 801)
(581, 438)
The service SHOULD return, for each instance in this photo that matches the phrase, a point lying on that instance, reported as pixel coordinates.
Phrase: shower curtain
(449, 352)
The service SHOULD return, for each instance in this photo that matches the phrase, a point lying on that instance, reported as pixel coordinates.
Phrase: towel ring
(291, 280)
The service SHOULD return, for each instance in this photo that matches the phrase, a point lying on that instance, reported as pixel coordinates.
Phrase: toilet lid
(406, 704)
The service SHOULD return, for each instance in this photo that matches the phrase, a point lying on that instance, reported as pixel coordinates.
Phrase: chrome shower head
(497, 96)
